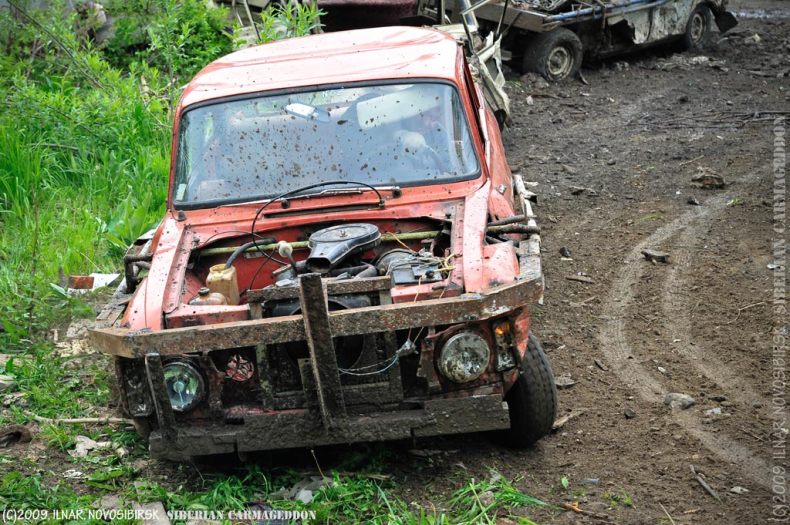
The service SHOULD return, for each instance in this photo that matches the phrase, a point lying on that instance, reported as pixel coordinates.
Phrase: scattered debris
(535, 82)
(693, 201)
(686, 62)
(677, 400)
(303, 490)
(564, 381)
(581, 303)
(6, 382)
(83, 445)
(578, 510)
(154, 511)
(701, 480)
(713, 412)
(79, 284)
(424, 452)
(655, 256)
(110, 501)
(73, 474)
(662, 370)
(560, 422)
(739, 490)
(708, 179)
(14, 434)
(578, 190)
(580, 278)
(83, 420)
(565, 252)
(629, 413)
(14, 399)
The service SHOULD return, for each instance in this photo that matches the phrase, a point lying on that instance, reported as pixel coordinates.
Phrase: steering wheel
(427, 158)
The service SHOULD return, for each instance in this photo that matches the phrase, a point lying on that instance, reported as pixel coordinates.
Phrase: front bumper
(325, 419)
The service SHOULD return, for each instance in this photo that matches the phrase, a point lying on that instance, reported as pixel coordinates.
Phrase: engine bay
(225, 272)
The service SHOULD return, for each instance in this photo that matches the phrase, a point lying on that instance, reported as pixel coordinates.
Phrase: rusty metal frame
(301, 428)
(494, 302)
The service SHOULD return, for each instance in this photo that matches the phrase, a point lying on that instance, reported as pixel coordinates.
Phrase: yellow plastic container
(206, 297)
(223, 280)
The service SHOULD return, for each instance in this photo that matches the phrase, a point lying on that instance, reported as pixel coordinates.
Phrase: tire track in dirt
(677, 314)
(615, 345)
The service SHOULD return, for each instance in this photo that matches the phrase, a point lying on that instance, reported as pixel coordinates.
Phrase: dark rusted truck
(551, 37)
(345, 257)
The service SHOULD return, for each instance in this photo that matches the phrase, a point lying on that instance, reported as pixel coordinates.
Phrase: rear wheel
(532, 400)
(698, 28)
(554, 55)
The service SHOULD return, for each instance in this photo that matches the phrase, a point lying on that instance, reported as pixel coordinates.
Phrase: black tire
(554, 55)
(532, 400)
(698, 28)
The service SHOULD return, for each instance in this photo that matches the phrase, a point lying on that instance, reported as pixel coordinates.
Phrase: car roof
(329, 58)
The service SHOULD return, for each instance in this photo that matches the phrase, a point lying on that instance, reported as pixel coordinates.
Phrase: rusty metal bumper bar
(303, 428)
(494, 302)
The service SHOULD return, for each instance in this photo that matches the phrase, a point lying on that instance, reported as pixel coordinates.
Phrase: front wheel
(554, 55)
(698, 28)
(532, 400)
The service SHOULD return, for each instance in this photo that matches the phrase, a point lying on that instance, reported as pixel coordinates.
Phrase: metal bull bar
(321, 380)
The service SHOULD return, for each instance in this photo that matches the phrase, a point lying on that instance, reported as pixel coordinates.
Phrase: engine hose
(241, 249)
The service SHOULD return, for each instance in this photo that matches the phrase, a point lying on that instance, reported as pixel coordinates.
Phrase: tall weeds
(90, 141)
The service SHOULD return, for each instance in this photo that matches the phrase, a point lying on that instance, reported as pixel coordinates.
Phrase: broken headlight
(464, 357)
(185, 385)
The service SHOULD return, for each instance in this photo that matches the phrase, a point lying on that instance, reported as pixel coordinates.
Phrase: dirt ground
(614, 161)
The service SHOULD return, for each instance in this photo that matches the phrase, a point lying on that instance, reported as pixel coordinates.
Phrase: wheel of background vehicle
(554, 55)
(532, 400)
(698, 28)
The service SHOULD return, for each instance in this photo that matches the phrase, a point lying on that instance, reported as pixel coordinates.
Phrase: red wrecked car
(345, 257)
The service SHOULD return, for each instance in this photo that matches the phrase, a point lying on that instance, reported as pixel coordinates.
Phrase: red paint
(337, 58)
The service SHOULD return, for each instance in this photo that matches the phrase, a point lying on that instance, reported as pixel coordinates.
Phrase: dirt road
(614, 162)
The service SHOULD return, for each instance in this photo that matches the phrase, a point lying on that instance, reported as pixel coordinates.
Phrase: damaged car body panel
(346, 257)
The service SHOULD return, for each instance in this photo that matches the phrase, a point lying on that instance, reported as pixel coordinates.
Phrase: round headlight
(185, 385)
(464, 357)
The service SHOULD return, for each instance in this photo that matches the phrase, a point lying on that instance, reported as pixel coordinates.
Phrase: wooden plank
(342, 287)
(372, 319)
(322, 350)
(156, 380)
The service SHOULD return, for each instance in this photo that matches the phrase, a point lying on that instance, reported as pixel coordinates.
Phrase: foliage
(175, 36)
(289, 20)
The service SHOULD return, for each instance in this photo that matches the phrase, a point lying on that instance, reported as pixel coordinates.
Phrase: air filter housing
(330, 246)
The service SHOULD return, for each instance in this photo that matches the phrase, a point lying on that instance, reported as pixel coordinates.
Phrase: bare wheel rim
(560, 62)
(697, 29)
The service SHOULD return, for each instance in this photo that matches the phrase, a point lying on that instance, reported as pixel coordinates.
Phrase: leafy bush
(289, 20)
(177, 37)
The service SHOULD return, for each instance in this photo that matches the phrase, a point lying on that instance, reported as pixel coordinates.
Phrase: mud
(699, 325)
